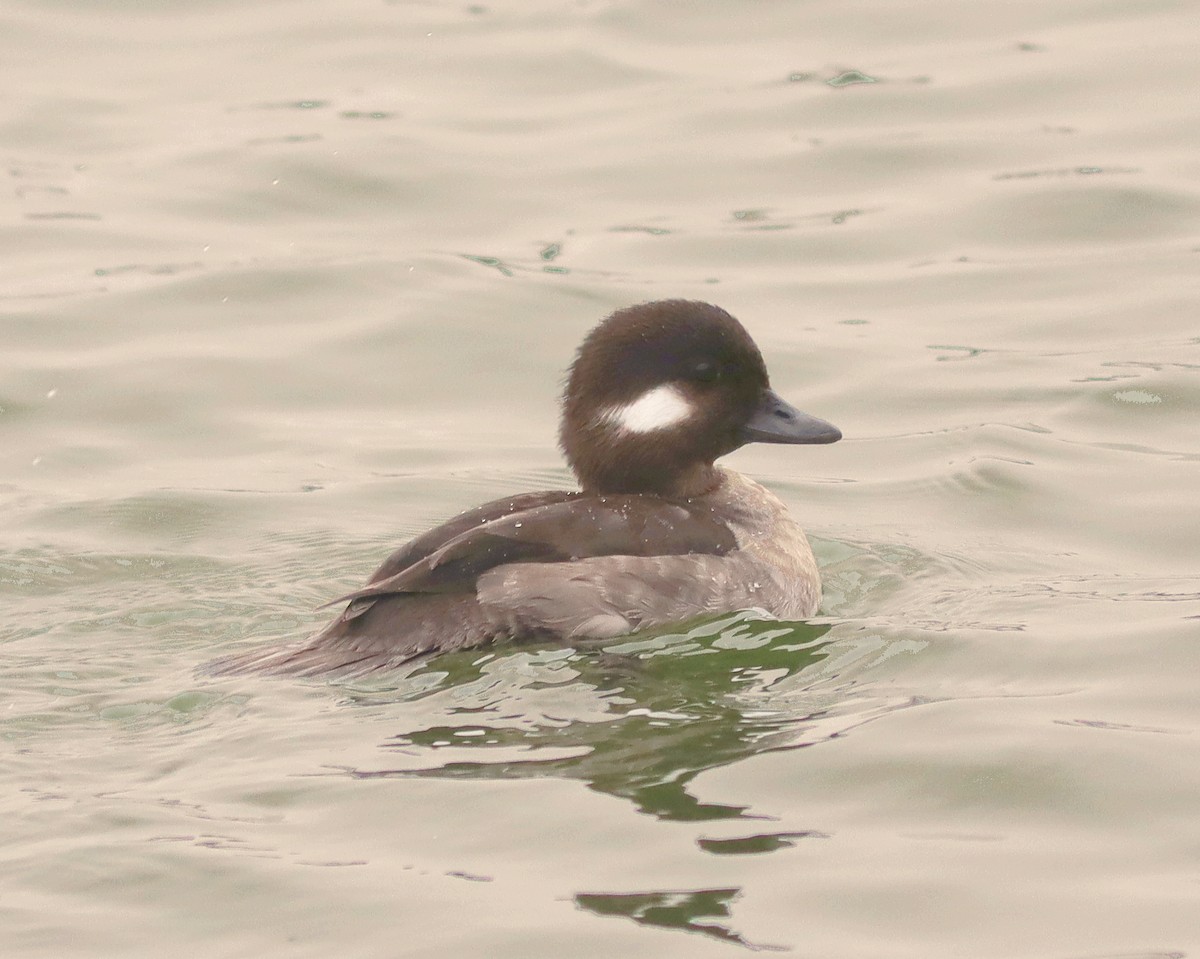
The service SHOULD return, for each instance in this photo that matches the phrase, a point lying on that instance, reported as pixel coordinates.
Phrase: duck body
(657, 534)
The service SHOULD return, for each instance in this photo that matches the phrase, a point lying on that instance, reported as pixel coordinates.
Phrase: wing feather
(570, 529)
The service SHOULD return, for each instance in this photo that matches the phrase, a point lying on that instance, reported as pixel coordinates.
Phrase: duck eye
(705, 372)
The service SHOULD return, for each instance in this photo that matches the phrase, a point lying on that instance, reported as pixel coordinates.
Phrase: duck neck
(699, 479)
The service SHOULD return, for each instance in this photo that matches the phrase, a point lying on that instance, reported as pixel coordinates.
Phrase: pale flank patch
(661, 407)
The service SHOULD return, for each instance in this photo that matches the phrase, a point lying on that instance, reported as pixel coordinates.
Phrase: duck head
(659, 391)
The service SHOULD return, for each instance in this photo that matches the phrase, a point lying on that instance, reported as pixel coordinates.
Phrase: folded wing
(546, 532)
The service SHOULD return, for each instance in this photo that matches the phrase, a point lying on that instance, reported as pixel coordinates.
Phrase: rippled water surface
(287, 282)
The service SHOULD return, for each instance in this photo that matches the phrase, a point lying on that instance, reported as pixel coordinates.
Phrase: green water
(286, 283)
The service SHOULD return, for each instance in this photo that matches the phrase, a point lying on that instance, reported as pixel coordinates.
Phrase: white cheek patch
(658, 409)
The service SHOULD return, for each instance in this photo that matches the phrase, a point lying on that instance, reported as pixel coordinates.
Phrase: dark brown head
(658, 391)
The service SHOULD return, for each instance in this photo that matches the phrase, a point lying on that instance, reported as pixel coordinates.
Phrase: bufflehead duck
(656, 534)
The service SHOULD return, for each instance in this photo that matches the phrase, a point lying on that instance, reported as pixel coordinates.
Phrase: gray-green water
(285, 283)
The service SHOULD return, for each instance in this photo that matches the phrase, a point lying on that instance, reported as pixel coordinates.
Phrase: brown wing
(434, 539)
(581, 527)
